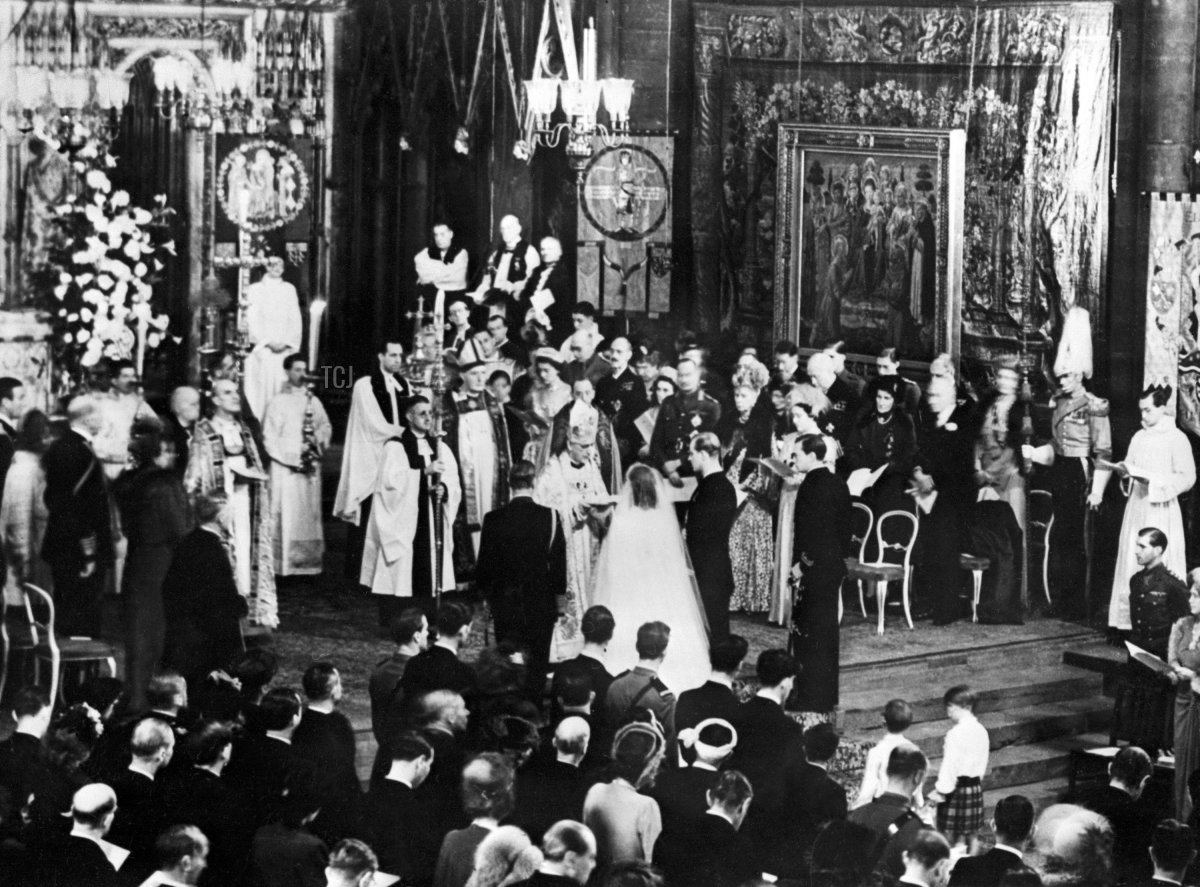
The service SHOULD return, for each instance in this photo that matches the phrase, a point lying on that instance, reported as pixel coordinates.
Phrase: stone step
(1017, 726)
(1012, 686)
(969, 660)
(1017, 765)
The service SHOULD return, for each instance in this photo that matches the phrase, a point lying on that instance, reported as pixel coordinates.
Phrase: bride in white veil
(643, 575)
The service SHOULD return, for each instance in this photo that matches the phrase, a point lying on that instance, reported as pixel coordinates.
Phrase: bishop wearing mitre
(400, 554)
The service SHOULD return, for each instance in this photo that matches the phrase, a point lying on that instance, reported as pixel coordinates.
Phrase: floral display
(104, 258)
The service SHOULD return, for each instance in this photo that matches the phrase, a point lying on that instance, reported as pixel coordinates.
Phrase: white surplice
(367, 430)
(273, 315)
(387, 563)
(295, 494)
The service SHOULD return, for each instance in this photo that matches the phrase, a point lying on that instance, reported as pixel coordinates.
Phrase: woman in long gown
(643, 575)
(23, 512)
(808, 403)
(1161, 451)
(746, 434)
(1183, 655)
(884, 437)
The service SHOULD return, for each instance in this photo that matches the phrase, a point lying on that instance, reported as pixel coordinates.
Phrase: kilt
(962, 811)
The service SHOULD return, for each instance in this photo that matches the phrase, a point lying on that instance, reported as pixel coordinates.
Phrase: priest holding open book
(1157, 469)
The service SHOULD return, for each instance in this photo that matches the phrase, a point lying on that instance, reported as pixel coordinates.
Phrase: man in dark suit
(770, 752)
(139, 793)
(682, 794)
(12, 393)
(78, 544)
(1120, 803)
(438, 667)
(506, 348)
(403, 834)
(180, 422)
(818, 798)
(823, 530)
(552, 790)
(715, 697)
(326, 740)
(597, 627)
(712, 851)
(23, 754)
(265, 767)
(81, 857)
(522, 571)
(710, 517)
(1013, 824)
(201, 603)
(200, 796)
(1172, 849)
(622, 397)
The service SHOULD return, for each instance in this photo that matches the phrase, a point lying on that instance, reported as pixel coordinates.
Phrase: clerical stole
(478, 433)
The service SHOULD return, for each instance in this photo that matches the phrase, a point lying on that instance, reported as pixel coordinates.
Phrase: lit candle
(587, 62)
(141, 343)
(243, 204)
(315, 312)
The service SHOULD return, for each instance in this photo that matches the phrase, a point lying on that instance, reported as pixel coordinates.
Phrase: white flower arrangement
(99, 280)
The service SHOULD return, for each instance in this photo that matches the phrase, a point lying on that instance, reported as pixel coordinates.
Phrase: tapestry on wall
(1032, 86)
(1172, 354)
(624, 227)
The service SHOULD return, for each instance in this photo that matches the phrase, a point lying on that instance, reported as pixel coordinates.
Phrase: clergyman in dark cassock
(522, 569)
(823, 529)
(400, 551)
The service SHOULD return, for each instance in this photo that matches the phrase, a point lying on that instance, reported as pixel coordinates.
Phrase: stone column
(201, 202)
(1169, 32)
(706, 192)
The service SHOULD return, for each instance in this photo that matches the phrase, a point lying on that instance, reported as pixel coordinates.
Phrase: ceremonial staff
(437, 389)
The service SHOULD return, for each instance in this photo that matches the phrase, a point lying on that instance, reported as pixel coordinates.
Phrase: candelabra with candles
(580, 101)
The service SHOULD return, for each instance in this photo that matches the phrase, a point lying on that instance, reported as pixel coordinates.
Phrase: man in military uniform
(681, 417)
(891, 815)
(641, 688)
(1080, 433)
(843, 400)
(622, 397)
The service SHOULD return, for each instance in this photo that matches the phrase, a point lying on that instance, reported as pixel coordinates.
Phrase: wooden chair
(1040, 518)
(883, 572)
(59, 652)
(17, 641)
(978, 566)
(864, 522)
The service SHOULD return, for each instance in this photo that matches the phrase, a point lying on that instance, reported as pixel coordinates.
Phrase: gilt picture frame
(868, 247)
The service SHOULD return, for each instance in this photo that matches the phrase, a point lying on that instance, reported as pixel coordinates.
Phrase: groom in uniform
(710, 517)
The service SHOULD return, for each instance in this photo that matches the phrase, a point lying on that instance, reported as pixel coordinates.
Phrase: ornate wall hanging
(1030, 83)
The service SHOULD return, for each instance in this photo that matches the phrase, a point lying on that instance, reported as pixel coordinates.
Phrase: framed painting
(869, 247)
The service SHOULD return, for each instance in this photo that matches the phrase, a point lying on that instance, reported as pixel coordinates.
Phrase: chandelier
(580, 100)
(68, 93)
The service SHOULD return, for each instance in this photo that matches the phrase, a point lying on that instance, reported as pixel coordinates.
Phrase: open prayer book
(777, 467)
(1125, 469)
(645, 423)
(859, 480)
(1148, 659)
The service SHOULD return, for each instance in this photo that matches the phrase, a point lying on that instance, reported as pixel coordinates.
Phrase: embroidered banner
(1172, 300)
(624, 225)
